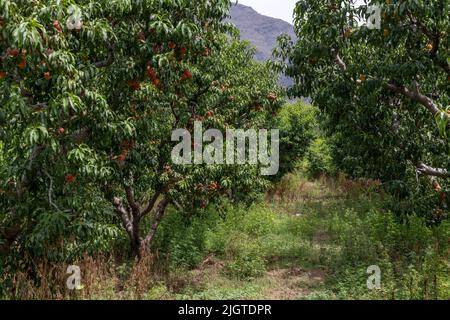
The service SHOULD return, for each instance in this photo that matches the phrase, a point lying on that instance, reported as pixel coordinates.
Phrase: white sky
(281, 9)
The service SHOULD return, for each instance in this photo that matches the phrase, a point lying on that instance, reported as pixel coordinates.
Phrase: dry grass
(101, 278)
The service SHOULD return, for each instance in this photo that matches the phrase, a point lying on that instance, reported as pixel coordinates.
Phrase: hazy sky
(282, 9)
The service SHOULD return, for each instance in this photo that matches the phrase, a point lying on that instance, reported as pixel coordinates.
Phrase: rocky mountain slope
(262, 31)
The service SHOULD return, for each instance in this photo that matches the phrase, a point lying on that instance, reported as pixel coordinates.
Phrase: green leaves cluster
(381, 90)
(88, 112)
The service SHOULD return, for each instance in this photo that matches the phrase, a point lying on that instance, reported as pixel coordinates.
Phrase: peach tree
(90, 94)
(384, 88)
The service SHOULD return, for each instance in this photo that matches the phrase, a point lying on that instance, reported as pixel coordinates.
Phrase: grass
(315, 240)
(308, 240)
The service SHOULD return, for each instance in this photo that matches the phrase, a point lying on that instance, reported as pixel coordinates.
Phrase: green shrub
(245, 267)
(181, 239)
(319, 160)
(409, 254)
(298, 128)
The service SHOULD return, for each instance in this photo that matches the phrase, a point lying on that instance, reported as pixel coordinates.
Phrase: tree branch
(50, 191)
(132, 202)
(108, 61)
(416, 96)
(435, 38)
(340, 62)
(123, 215)
(25, 180)
(426, 170)
(151, 204)
(160, 210)
(159, 192)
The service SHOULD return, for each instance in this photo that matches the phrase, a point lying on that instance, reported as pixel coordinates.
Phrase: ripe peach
(22, 64)
(70, 178)
(57, 26)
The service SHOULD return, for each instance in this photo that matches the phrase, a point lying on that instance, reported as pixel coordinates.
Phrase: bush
(319, 160)
(246, 267)
(298, 127)
(181, 239)
(408, 253)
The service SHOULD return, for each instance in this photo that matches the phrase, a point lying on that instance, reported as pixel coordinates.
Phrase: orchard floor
(316, 241)
(307, 240)
(289, 283)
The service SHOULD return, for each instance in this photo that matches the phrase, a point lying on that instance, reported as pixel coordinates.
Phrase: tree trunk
(136, 243)
(132, 215)
(136, 247)
(159, 213)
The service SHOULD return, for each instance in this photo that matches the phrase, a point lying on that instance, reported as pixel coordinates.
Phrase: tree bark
(416, 96)
(131, 216)
(159, 213)
(426, 170)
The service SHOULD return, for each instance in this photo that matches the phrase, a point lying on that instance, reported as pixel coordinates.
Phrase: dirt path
(293, 284)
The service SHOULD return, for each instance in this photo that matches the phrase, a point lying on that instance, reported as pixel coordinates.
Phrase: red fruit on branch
(183, 52)
(151, 73)
(61, 131)
(133, 84)
(186, 75)
(22, 64)
(57, 26)
(272, 97)
(203, 204)
(122, 157)
(70, 178)
(210, 114)
(172, 45)
(213, 186)
(156, 82)
(12, 52)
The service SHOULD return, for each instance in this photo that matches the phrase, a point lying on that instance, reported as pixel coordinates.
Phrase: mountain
(261, 31)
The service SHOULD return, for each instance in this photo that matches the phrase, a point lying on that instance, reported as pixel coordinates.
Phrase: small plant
(319, 159)
(246, 266)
